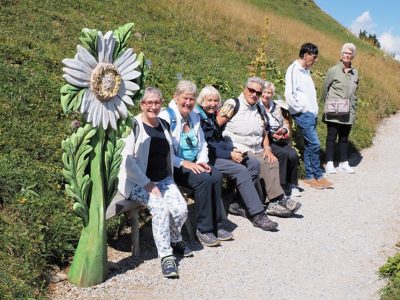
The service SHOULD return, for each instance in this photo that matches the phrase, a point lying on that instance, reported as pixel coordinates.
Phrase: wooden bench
(121, 205)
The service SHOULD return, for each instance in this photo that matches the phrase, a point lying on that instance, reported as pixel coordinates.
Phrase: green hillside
(209, 42)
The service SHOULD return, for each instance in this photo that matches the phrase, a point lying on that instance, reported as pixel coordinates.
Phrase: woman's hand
(196, 168)
(151, 188)
(269, 156)
(237, 156)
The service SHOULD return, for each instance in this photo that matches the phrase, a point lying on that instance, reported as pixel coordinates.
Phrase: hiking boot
(180, 248)
(290, 204)
(224, 235)
(330, 168)
(235, 209)
(208, 239)
(344, 166)
(276, 209)
(262, 221)
(313, 183)
(168, 267)
(325, 184)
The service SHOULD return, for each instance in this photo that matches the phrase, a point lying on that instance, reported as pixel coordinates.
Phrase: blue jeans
(307, 123)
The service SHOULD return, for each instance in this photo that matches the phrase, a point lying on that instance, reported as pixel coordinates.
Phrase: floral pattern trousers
(169, 213)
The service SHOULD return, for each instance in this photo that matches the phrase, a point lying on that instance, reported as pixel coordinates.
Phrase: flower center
(105, 81)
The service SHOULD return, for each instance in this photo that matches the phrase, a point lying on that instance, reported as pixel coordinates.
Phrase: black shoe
(224, 235)
(262, 221)
(207, 239)
(168, 267)
(180, 248)
(235, 209)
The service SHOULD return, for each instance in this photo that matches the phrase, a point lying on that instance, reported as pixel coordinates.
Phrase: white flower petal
(101, 51)
(129, 61)
(86, 57)
(112, 119)
(129, 85)
(77, 65)
(75, 81)
(86, 100)
(127, 99)
(124, 91)
(121, 107)
(131, 75)
(129, 68)
(104, 114)
(120, 60)
(109, 46)
(77, 74)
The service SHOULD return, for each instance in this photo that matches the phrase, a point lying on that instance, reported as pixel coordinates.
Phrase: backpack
(259, 109)
(172, 118)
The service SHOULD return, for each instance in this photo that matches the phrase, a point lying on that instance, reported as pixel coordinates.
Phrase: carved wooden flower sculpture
(103, 77)
(107, 83)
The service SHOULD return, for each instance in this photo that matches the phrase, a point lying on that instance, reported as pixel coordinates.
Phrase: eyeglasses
(190, 142)
(347, 53)
(253, 91)
(151, 103)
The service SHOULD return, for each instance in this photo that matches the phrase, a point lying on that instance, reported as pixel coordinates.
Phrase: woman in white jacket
(146, 175)
(191, 164)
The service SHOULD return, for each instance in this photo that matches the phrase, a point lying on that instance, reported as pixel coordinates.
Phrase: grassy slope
(206, 41)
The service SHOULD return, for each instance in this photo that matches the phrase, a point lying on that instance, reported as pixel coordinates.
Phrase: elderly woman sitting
(231, 161)
(150, 180)
(191, 164)
(278, 129)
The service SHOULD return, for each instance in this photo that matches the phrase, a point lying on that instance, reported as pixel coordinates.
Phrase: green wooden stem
(89, 266)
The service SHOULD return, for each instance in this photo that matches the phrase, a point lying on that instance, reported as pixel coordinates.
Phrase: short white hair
(349, 46)
(151, 91)
(269, 85)
(207, 91)
(185, 86)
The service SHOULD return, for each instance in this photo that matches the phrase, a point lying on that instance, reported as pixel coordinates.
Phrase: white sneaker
(295, 192)
(344, 166)
(330, 168)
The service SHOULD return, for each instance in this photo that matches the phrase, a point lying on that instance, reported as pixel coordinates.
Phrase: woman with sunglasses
(191, 164)
(232, 162)
(150, 180)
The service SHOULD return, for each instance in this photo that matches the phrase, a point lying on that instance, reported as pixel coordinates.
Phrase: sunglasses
(253, 91)
(190, 142)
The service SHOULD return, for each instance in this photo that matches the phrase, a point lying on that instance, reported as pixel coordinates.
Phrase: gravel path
(331, 250)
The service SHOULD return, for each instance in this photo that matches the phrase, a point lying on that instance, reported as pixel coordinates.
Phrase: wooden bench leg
(134, 214)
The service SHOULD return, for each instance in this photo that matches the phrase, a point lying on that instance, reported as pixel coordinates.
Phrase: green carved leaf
(140, 81)
(76, 159)
(71, 97)
(122, 35)
(81, 211)
(112, 162)
(88, 39)
(125, 126)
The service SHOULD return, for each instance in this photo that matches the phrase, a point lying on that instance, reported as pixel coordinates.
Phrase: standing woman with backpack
(191, 168)
(340, 83)
(150, 181)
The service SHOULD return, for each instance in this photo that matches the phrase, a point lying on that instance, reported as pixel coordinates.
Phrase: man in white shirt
(244, 127)
(301, 97)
